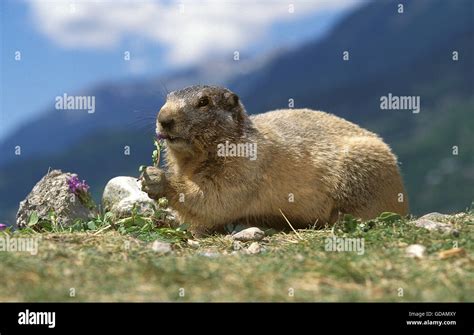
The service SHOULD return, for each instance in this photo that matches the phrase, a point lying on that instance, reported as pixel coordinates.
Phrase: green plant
(159, 144)
(151, 228)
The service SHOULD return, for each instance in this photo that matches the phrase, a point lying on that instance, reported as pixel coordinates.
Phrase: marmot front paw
(153, 182)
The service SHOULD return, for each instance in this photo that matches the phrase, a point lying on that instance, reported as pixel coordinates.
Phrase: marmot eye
(204, 101)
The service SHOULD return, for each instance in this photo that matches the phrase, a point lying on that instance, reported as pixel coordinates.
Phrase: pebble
(254, 248)
(249, 234)
(161, 247)
(210, 254)
(415, 251)
(194, 244)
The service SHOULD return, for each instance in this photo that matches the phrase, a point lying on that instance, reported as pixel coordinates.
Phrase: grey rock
(415, 251)
(123, 194)
(434, 225)
(435, 216)
(254, 248)
(52, 193)
(249, 234)
(161, 247)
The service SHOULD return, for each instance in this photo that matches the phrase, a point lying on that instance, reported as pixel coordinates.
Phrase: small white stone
(415, 251)
(193, 244)
(249, 234)
(210, 254)
(161, 247)
(254, 248)
(299, 257)
(123, 194)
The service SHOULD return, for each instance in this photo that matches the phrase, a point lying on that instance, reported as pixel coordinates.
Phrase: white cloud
(204, 28)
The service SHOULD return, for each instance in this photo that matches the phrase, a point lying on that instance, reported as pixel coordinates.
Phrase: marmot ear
(238, 114)
(231, 99)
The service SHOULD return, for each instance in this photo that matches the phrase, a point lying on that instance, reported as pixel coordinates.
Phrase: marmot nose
(166, 123)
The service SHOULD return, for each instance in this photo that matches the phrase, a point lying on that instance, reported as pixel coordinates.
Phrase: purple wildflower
(76, 186)
(160, 137)
(3, 226)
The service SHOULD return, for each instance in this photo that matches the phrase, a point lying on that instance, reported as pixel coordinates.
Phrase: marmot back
(358, 170)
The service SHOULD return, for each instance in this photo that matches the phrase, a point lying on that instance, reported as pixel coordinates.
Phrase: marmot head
(195, 118)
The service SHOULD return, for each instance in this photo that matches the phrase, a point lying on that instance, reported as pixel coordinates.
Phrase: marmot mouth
(167, 137)
(174, 138)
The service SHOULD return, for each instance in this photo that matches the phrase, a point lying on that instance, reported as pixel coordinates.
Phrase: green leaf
(91, 225)
(366, 226)
(127, 222)
(389, 217)
(349, 223)
(46, 225)
(182, 227)
(33, 219)
(155, 157)
(107, 217)
(141, 221)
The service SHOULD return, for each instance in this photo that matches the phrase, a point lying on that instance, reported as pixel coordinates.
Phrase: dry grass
(109, 266)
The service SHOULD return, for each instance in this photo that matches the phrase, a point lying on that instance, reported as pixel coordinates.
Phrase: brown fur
(327, 164)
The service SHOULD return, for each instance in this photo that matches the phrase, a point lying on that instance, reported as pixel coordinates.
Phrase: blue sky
(67, 46)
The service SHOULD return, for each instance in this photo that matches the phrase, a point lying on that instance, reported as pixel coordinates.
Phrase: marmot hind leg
(371, 181)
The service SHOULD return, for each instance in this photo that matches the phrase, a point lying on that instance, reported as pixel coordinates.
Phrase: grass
(113, 261)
